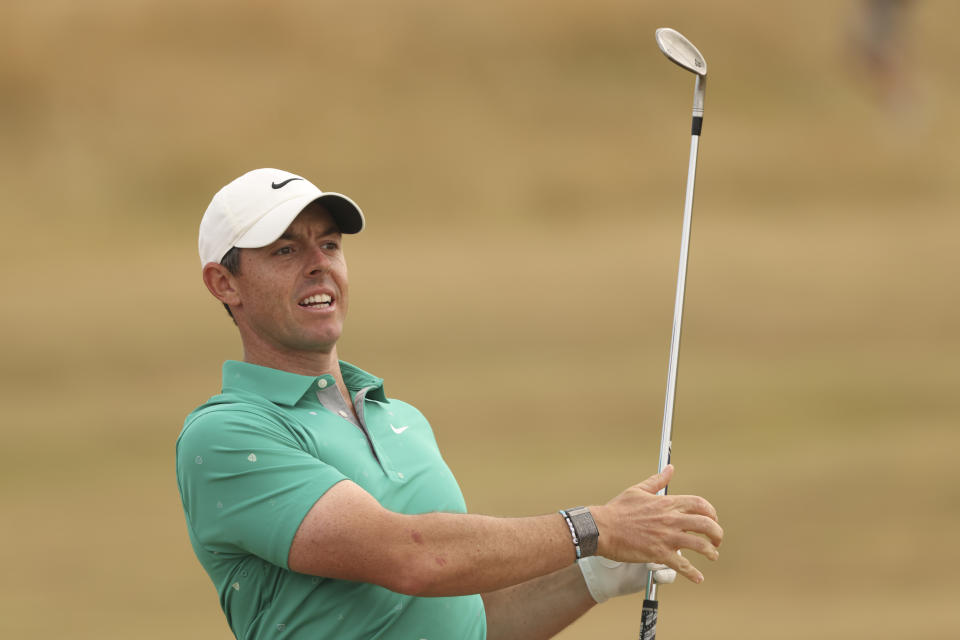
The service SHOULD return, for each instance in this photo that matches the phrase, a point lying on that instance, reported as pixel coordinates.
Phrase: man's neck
(312, 363)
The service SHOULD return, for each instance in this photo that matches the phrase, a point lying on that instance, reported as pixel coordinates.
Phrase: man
(321, 508)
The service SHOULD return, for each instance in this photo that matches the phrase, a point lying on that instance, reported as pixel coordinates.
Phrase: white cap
(256, 208)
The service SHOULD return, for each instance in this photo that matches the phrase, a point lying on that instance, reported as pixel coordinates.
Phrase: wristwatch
(583, 531)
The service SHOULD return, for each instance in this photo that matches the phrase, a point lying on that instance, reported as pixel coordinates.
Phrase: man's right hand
(640, 526)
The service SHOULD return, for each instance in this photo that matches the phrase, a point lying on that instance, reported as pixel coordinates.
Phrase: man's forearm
(538, 608)
(465, 553)
(349, 536)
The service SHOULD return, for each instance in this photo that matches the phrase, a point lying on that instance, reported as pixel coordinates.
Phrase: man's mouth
(319, 301)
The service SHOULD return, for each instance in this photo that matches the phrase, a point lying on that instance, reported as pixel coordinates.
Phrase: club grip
(648, 620)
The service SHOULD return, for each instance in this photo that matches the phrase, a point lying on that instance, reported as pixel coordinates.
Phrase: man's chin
(321, 343)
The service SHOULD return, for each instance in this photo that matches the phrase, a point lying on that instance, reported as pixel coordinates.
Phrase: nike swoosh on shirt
(401, 429)
(278, 185)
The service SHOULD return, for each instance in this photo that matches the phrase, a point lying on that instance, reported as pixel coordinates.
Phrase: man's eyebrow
(333, 229)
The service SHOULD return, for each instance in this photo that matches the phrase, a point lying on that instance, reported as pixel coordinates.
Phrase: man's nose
(318, 262)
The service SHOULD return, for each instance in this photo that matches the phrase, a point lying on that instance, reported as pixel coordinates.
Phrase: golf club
(680, 51)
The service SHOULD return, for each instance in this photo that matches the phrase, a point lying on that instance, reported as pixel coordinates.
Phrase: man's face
(293, 292)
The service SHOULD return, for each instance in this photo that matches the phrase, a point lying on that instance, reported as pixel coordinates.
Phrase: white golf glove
(608, 578)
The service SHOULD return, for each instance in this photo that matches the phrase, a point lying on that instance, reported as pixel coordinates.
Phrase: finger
(695, 504)
(702, 525)
(714, 532)
(664, 576)
(697, 543)
(658, 481)
(684, 567)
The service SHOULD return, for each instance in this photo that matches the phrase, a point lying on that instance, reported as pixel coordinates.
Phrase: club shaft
(666, 435)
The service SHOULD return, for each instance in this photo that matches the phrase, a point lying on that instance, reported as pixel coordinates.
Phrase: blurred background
(522, 168)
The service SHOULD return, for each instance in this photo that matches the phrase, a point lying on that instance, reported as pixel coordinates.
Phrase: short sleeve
(246, 483)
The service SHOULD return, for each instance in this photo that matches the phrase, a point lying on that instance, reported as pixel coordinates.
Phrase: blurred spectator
(878, 37)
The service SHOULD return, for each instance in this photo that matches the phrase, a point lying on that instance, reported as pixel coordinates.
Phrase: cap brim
(345, 213)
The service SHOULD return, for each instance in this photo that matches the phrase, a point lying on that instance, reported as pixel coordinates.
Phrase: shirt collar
(283, 387)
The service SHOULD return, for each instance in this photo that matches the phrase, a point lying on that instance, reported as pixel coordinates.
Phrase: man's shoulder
(234, 402)
(224, 413)
(401, 405)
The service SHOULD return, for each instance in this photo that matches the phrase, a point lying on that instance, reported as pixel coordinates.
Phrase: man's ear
(221, 283)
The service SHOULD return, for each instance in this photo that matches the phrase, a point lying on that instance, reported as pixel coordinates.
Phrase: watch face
(585, 530)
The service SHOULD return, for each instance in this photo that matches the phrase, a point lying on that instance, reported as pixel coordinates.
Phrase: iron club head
(681, 51)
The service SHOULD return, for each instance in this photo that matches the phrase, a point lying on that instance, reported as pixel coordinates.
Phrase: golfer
(321, 508)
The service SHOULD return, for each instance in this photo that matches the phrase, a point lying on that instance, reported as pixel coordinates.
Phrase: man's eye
(283, 251)
(332, 246)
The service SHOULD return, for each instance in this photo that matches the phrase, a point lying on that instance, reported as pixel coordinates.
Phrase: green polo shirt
(252, 461)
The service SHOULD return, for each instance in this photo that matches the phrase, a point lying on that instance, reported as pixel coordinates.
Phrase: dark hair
(231, 260)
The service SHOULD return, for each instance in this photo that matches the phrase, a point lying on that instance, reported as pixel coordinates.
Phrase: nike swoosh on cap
(279, 185)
